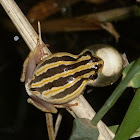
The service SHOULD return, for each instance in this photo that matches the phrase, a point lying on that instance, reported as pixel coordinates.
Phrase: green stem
(117, 92)
(131, 121)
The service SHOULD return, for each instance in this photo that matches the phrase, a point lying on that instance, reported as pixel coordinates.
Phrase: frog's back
(63, 76)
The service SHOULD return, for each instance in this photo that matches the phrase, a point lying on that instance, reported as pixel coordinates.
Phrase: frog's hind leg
(67, 105)
(41, 104)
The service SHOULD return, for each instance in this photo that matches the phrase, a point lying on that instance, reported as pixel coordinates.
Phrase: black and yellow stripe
(63, 76)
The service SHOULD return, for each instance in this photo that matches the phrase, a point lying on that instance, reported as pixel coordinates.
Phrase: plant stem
(49, 120)
(131, 121)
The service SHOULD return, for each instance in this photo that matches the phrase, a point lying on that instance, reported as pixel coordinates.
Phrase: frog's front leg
(31, 62)
(47, 107)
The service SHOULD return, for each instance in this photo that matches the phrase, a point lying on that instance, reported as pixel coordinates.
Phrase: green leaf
(84, 130)
(131, 120)
(114, 129)
(137, 11)
(135, 81)
(136, 134)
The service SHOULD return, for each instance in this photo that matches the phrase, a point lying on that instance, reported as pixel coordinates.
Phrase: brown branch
(85, 22)
(71, 24)
(81, 23)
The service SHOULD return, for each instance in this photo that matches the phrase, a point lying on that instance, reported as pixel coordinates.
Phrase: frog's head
(113, 64)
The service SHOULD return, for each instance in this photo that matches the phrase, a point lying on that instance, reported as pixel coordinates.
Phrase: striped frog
(59, 78)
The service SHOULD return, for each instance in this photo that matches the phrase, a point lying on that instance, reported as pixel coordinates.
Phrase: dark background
(18, 119)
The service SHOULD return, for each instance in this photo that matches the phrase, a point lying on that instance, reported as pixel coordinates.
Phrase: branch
(86, 22)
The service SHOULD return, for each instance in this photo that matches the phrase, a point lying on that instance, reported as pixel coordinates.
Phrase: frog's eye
(96, 59)
(93, 77)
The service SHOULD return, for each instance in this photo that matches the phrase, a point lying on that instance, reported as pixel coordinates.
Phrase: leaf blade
(131, 120)
(84, 130)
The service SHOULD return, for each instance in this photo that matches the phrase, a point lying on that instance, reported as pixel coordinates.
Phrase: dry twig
(49, 123)
(58, 122)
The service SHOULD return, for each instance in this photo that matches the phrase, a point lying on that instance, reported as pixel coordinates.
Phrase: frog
(53, 81)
